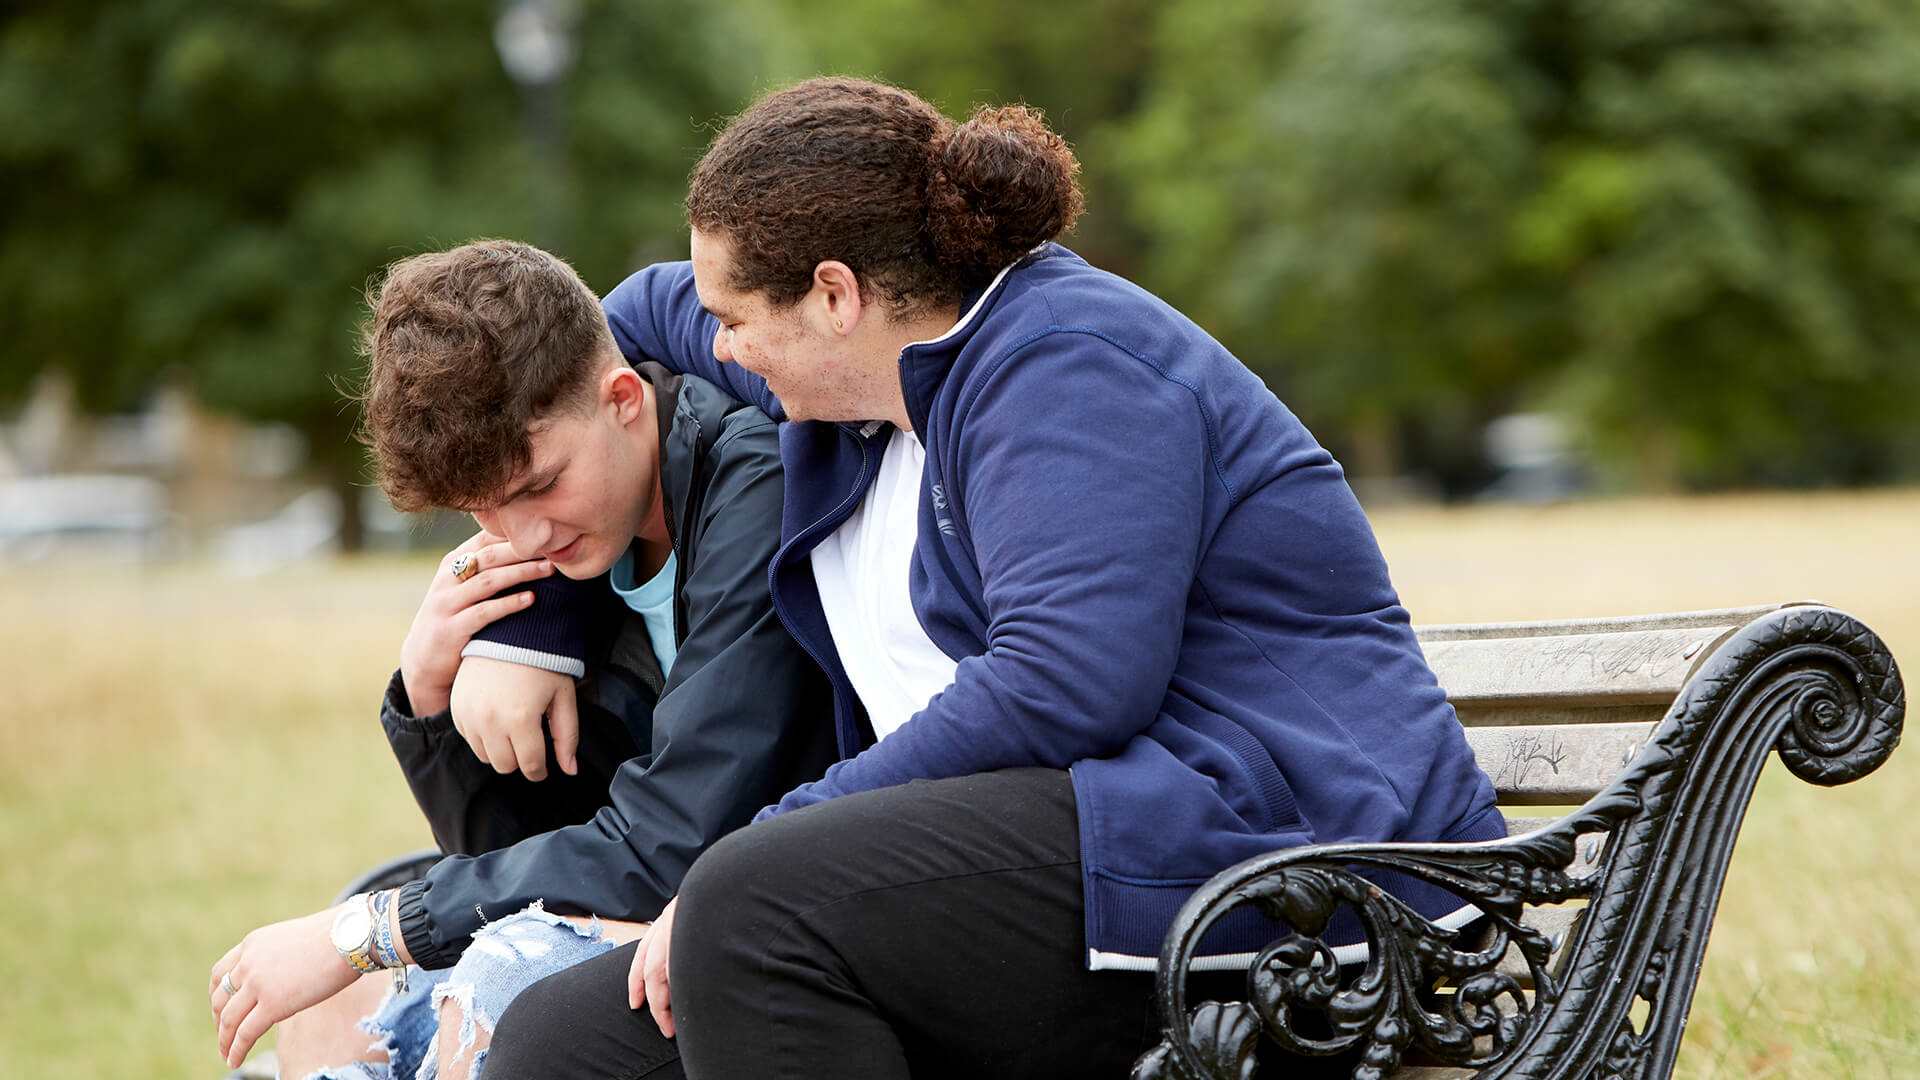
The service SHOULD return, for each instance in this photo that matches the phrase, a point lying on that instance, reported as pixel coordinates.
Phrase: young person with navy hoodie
(1101, 619)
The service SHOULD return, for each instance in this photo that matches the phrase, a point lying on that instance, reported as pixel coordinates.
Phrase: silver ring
(226, 983)
(465, 566)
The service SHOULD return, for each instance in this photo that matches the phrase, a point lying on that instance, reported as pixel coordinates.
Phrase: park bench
(1596, 922)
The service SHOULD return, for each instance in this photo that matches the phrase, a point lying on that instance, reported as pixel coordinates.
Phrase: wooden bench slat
(1643, 667)
(1554, 714)
(1552, 766)
(1739, 616)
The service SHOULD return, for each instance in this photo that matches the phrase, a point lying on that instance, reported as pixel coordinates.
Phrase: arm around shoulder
(745, 715)
(655, 314)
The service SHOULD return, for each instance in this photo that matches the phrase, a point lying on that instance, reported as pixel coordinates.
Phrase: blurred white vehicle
(83, 515)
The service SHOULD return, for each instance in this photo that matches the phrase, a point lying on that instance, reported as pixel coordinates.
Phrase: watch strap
(359, 956)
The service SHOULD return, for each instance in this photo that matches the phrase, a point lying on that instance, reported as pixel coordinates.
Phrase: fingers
(488, 582)
(637, 975)
(472, 543)
(497, 553)
(499, 752)
(470, 620)
(530, 752)
(650, 965)
(254, 1026)
(659, 995)
(221, 967)
(236, 1010)
(563, 722)
(474, 742)
(488, 551)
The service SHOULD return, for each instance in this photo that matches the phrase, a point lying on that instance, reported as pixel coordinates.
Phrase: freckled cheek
(753, 359)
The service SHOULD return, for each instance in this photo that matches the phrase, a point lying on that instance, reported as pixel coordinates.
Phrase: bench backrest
(1554, 710)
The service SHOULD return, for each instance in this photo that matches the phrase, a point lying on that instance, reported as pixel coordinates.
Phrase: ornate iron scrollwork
(1810, 681)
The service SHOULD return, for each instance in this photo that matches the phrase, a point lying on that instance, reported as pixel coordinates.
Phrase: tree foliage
(208, 188)
(1696, 227)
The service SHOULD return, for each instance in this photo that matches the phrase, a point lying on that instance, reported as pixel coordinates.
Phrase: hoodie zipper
(841, 686)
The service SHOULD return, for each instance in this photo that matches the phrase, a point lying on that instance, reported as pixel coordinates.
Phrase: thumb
(563, 721)
(637, 973)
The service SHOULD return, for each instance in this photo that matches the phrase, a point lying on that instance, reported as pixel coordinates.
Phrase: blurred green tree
(208, 187)
(1695, 226)
(1086, 65)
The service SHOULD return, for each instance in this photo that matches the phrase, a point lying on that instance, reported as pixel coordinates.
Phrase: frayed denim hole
(358, 1070)
(462, 995)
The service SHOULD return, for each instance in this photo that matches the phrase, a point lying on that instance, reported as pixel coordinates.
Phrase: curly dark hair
(466, 349)
(872, 175)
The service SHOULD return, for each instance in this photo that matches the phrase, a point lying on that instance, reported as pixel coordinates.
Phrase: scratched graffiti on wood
(1636, 663)
(1612, 655)
(1525, 753)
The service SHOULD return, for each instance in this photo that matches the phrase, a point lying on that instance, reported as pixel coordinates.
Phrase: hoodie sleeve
(1080, 473)
(656, 315)
(552, 633)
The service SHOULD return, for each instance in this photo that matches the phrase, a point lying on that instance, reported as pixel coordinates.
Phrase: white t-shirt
(861, 570)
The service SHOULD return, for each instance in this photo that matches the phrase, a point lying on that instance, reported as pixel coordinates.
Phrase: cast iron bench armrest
(1648, 855)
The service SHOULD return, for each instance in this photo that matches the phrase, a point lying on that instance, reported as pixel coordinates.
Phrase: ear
(624, 391)
(835, 302)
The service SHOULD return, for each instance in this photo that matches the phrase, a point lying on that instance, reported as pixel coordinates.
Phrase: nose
(723, 345)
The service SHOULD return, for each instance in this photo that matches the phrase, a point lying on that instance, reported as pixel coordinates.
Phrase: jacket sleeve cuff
(520, 654)
(416, 928)
(396, 712)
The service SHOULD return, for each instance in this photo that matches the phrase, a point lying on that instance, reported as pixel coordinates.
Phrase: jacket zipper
(840, 687)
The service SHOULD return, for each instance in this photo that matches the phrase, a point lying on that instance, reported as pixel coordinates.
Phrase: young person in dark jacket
(631, 512)
(1100, 616)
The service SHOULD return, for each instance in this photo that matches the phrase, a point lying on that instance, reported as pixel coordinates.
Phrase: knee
(723, 870)
(737, 889)
(535, 1032)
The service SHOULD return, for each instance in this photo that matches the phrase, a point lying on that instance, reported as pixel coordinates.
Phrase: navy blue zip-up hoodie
(1148, 572)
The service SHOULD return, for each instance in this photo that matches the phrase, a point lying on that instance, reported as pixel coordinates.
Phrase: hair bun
(1001, 184)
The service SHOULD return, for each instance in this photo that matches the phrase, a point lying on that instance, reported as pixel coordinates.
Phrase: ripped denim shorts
(505, 958)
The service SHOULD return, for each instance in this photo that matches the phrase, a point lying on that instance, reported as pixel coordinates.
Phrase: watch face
(350, 927)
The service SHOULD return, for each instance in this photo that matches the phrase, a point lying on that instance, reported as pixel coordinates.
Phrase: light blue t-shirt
(653, 601)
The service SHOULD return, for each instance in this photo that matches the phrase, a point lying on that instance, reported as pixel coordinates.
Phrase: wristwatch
(352, 933)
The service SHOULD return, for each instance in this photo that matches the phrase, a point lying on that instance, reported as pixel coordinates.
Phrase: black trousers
(927, 930)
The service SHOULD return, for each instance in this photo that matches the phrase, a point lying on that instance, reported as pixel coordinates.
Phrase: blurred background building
(1485, 250)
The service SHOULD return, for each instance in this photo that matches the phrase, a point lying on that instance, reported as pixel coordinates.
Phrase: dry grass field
(185, 755)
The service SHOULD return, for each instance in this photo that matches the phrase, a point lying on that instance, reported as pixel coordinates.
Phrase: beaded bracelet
(383, 949)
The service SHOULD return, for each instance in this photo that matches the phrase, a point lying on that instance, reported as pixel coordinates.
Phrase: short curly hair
(466, 351)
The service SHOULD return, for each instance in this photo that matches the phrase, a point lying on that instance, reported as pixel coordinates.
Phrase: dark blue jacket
(667, 765)
(1148, 571)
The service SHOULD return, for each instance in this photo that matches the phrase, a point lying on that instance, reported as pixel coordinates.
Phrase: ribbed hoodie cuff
(555, 625)
(534, 658)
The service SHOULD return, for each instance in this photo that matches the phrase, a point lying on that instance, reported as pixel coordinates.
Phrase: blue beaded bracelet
(384, 952)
